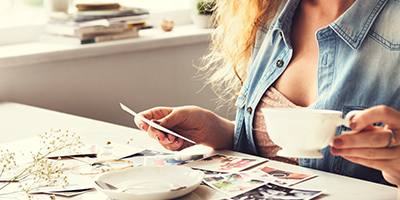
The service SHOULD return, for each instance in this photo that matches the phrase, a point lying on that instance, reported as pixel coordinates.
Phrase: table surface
(20, 124)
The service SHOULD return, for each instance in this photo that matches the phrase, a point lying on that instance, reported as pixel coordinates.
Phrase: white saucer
(156, 182)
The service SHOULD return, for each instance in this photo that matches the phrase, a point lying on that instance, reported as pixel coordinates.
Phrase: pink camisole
(272, 98)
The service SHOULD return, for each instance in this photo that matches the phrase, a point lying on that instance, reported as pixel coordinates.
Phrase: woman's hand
(373, 146)
(200, 125)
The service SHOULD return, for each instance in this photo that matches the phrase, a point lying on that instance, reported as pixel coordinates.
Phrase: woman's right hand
(200, 125)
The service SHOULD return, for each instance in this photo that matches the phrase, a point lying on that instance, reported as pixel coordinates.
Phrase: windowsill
(20, 19)
(36, 52)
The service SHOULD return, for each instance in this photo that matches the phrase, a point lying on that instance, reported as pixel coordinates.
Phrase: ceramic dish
(151, 182)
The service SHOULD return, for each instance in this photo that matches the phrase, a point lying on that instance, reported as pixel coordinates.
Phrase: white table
(20, 124)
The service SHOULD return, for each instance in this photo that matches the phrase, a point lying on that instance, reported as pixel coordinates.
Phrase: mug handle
(346, 121)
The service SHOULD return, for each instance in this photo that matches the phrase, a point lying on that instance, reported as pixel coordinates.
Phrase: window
(19, 17)
(16, 13)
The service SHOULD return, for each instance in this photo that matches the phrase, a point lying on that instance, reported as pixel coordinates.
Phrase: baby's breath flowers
(42, 170)
(7, 161)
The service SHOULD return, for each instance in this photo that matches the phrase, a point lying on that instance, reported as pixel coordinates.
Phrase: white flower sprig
(7, 161)
(42, 169)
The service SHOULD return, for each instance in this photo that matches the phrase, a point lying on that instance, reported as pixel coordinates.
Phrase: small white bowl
(160, 180)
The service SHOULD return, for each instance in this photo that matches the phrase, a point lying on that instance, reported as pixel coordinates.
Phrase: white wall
(93, 87)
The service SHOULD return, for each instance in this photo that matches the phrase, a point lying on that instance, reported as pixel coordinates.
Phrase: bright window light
(22, 16)
(17, 13)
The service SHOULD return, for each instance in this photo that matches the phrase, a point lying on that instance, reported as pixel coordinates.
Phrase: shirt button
(279, 63)
(249, 109)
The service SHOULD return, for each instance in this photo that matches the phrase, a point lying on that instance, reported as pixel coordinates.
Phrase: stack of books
(94, 23)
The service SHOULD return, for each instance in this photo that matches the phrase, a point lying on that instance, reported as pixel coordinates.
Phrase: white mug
(56, 5)
(302, 132)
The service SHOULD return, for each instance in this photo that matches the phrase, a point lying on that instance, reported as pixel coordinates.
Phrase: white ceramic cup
(56, 5)
(302, 132)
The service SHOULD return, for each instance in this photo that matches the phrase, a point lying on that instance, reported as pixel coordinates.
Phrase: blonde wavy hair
(237, 24)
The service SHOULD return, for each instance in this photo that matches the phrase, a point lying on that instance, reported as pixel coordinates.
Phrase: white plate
(157, 181)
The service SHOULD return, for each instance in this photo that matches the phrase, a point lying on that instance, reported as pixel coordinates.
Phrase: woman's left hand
(373, 146)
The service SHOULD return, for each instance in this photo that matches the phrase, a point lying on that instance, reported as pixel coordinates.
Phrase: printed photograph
(233, 184)
(283, 177)
(159, 160)
(222, 163)
(276, 192)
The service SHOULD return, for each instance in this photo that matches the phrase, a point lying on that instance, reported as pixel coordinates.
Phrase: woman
(320, 54)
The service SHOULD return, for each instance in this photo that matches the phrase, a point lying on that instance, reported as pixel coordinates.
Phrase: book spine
(74, 31)
(88, 41)
(104, 38)
(112, 18)
(102, 29)
(136, 25)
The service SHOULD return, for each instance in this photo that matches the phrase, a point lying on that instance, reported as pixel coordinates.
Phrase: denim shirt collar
(355, 23)
(283, 23)
(352, 27)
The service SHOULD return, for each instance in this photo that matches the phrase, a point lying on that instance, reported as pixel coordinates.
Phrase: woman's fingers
(168, 141)
(152, 114)
(192, 122)
(378, 138)
(373, 146)
(369, 136)
(164, 117)
(368, 153)
(384, 114)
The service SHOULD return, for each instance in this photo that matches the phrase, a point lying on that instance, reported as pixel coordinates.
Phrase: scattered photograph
(281, 177)
(116, 151)
(232, 184)
(277, 192)
(223, 163)
(147, 152)
(89, 150)
(160, 160)
(210, 173)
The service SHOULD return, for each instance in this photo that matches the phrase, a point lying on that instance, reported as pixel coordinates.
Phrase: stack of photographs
(249, 178)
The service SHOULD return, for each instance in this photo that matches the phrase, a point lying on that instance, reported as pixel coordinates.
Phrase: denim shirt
(358, 67)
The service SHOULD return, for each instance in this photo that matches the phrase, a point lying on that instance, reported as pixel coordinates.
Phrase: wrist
(221, 133)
